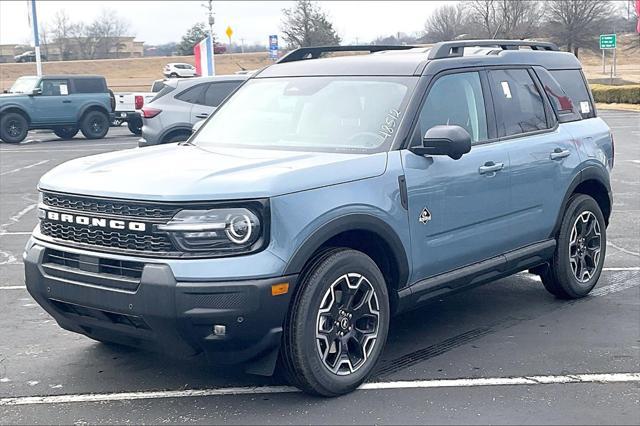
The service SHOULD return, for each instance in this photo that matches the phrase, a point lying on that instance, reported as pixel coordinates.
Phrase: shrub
(628, 94)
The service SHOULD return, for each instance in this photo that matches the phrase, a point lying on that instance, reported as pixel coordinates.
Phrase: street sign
(273, 47)
(229, 32)
(608, 41)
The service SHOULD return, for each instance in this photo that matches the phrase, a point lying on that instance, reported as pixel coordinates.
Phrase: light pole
(211, 22)
(36, 38)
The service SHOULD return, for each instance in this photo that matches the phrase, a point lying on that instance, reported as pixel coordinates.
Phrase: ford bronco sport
(325, 196)
(62, 103)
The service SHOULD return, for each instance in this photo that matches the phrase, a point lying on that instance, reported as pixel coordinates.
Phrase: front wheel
(338, 324)
(94, 125)
(13, 127)
(66, 132)
(581, 245)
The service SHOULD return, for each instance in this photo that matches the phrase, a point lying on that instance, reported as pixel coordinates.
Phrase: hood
(190, 173)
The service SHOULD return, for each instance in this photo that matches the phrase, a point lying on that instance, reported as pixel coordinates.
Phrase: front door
(53, 104)
(458, 209)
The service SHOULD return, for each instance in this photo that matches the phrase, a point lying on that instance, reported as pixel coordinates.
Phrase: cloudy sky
(157, 22)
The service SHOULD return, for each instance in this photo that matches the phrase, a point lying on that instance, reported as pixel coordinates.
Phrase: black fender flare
(92, 105)
(591, 172)
(351, 222)
(17, 107)
(176, 128)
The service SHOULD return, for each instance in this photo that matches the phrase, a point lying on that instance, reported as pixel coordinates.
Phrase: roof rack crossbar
(454, 49)
(303, 53)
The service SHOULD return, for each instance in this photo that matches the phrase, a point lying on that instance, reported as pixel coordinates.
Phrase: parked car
(325, 196)
(170, 116)
(175, 70)
(29, 56)
(62, 103)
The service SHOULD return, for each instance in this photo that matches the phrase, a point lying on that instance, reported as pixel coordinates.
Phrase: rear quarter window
(90, 85)
(574, 84)
(165, 90)
(193, 94)
(560, 101)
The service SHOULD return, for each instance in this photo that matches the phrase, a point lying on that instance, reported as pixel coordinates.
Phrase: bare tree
(305, 24)
(108, 28)
(61, 30)
(576, 23)
(446, 23)
(505, 18)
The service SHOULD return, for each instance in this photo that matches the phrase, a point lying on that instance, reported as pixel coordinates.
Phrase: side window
(217, 92)
(573, 83)
(54, 87)
(456, 99)
(519, 105)
(89, 85)
(560, 102)
(192, 94)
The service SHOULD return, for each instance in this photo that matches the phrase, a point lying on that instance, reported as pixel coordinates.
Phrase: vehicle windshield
(24, 85)
(343, 114)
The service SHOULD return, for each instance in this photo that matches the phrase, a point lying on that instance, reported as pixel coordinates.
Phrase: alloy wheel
(585, 245)
(347, 324)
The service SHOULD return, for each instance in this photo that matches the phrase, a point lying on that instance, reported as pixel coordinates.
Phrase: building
(80, 48)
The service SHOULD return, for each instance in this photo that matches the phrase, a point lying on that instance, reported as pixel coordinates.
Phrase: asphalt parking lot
(504, 353)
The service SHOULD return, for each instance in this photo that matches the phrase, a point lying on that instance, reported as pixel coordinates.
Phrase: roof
(419, 60)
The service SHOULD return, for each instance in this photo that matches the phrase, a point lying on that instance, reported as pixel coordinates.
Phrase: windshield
(24, 85)
(346, 114)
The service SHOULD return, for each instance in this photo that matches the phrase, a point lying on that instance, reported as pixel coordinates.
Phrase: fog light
(219, 330)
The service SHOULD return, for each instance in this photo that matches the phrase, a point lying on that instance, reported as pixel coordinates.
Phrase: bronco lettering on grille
(96, 221)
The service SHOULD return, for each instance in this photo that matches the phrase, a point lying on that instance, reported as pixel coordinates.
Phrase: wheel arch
(92, 107)
(362, 232)
(16, 109)
(593, 181)
(180, 128)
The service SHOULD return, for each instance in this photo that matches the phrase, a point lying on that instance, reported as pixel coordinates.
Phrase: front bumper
(157, 312)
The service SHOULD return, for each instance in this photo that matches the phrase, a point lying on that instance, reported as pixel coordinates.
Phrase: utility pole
(210, 44)
(36, 38)
(242, 45)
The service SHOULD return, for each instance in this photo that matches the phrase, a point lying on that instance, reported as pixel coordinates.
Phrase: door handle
(66, 102)
(203, 115)
(490, 167)
(559, 153)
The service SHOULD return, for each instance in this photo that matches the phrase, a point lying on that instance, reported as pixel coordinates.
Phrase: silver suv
(171, 114)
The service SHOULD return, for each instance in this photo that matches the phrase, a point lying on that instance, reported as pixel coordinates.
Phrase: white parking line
(261, 390)
(24, 167)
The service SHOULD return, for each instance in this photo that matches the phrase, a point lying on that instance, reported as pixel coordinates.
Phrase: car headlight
(216, 231)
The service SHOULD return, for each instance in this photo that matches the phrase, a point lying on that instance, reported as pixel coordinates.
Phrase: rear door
(543, 154)
(463, 203)
(211, 97)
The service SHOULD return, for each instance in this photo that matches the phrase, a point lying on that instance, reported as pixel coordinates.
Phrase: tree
(446, 23)
(577, 23)
(107, 29)
(505, 18)
(61, 30)
(193, 36)
(305, 25)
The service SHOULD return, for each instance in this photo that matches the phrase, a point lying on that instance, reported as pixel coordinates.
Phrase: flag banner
(203, 53)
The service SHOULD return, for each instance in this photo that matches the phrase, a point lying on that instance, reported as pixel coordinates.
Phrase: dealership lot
(509, 329)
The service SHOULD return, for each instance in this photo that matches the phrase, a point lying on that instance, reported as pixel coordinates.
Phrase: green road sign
(608, 41)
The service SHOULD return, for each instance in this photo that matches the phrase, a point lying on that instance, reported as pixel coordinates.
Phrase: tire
(94, 125)
(173, 75)
(13, 127)
(66, 132)
(577, 262)
(176, 137)
(135, 126)
(310, 357)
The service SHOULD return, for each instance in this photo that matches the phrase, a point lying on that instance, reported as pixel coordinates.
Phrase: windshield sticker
(63, 89)
(506, 89)
(584, 107)
(390, 122)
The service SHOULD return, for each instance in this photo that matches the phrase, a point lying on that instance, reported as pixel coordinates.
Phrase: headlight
(217, 231)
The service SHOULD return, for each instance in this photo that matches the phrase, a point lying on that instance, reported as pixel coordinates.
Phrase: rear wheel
(13, 127)
(135, 126)
(176, 137)
(581, 245)
(173, 75)
(338, 324)
(66, 132)
(94, 125)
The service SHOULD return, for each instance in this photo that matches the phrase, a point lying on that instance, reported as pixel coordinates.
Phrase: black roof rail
(454, 49)
(315, 52)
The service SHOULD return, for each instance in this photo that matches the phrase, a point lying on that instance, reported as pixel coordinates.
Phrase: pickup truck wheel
(338, 324)
(581, 245)
(135, 126)
(13, 127)
(94, 125)
(66, 132)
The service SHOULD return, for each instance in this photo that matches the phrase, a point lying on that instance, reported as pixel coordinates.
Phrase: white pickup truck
(127, 106)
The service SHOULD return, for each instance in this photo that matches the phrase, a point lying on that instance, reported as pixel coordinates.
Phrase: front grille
(100, 315)
(131, 209)
(115, 267)
(124, 240)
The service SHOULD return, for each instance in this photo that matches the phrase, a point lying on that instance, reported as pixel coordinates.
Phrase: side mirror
(197, 125)
(37, 91)
(453, 141)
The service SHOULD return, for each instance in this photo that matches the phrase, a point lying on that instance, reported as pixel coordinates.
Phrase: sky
(157, 22)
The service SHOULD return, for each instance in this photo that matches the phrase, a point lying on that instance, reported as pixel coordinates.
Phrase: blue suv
(326, 195)
(65, 104)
